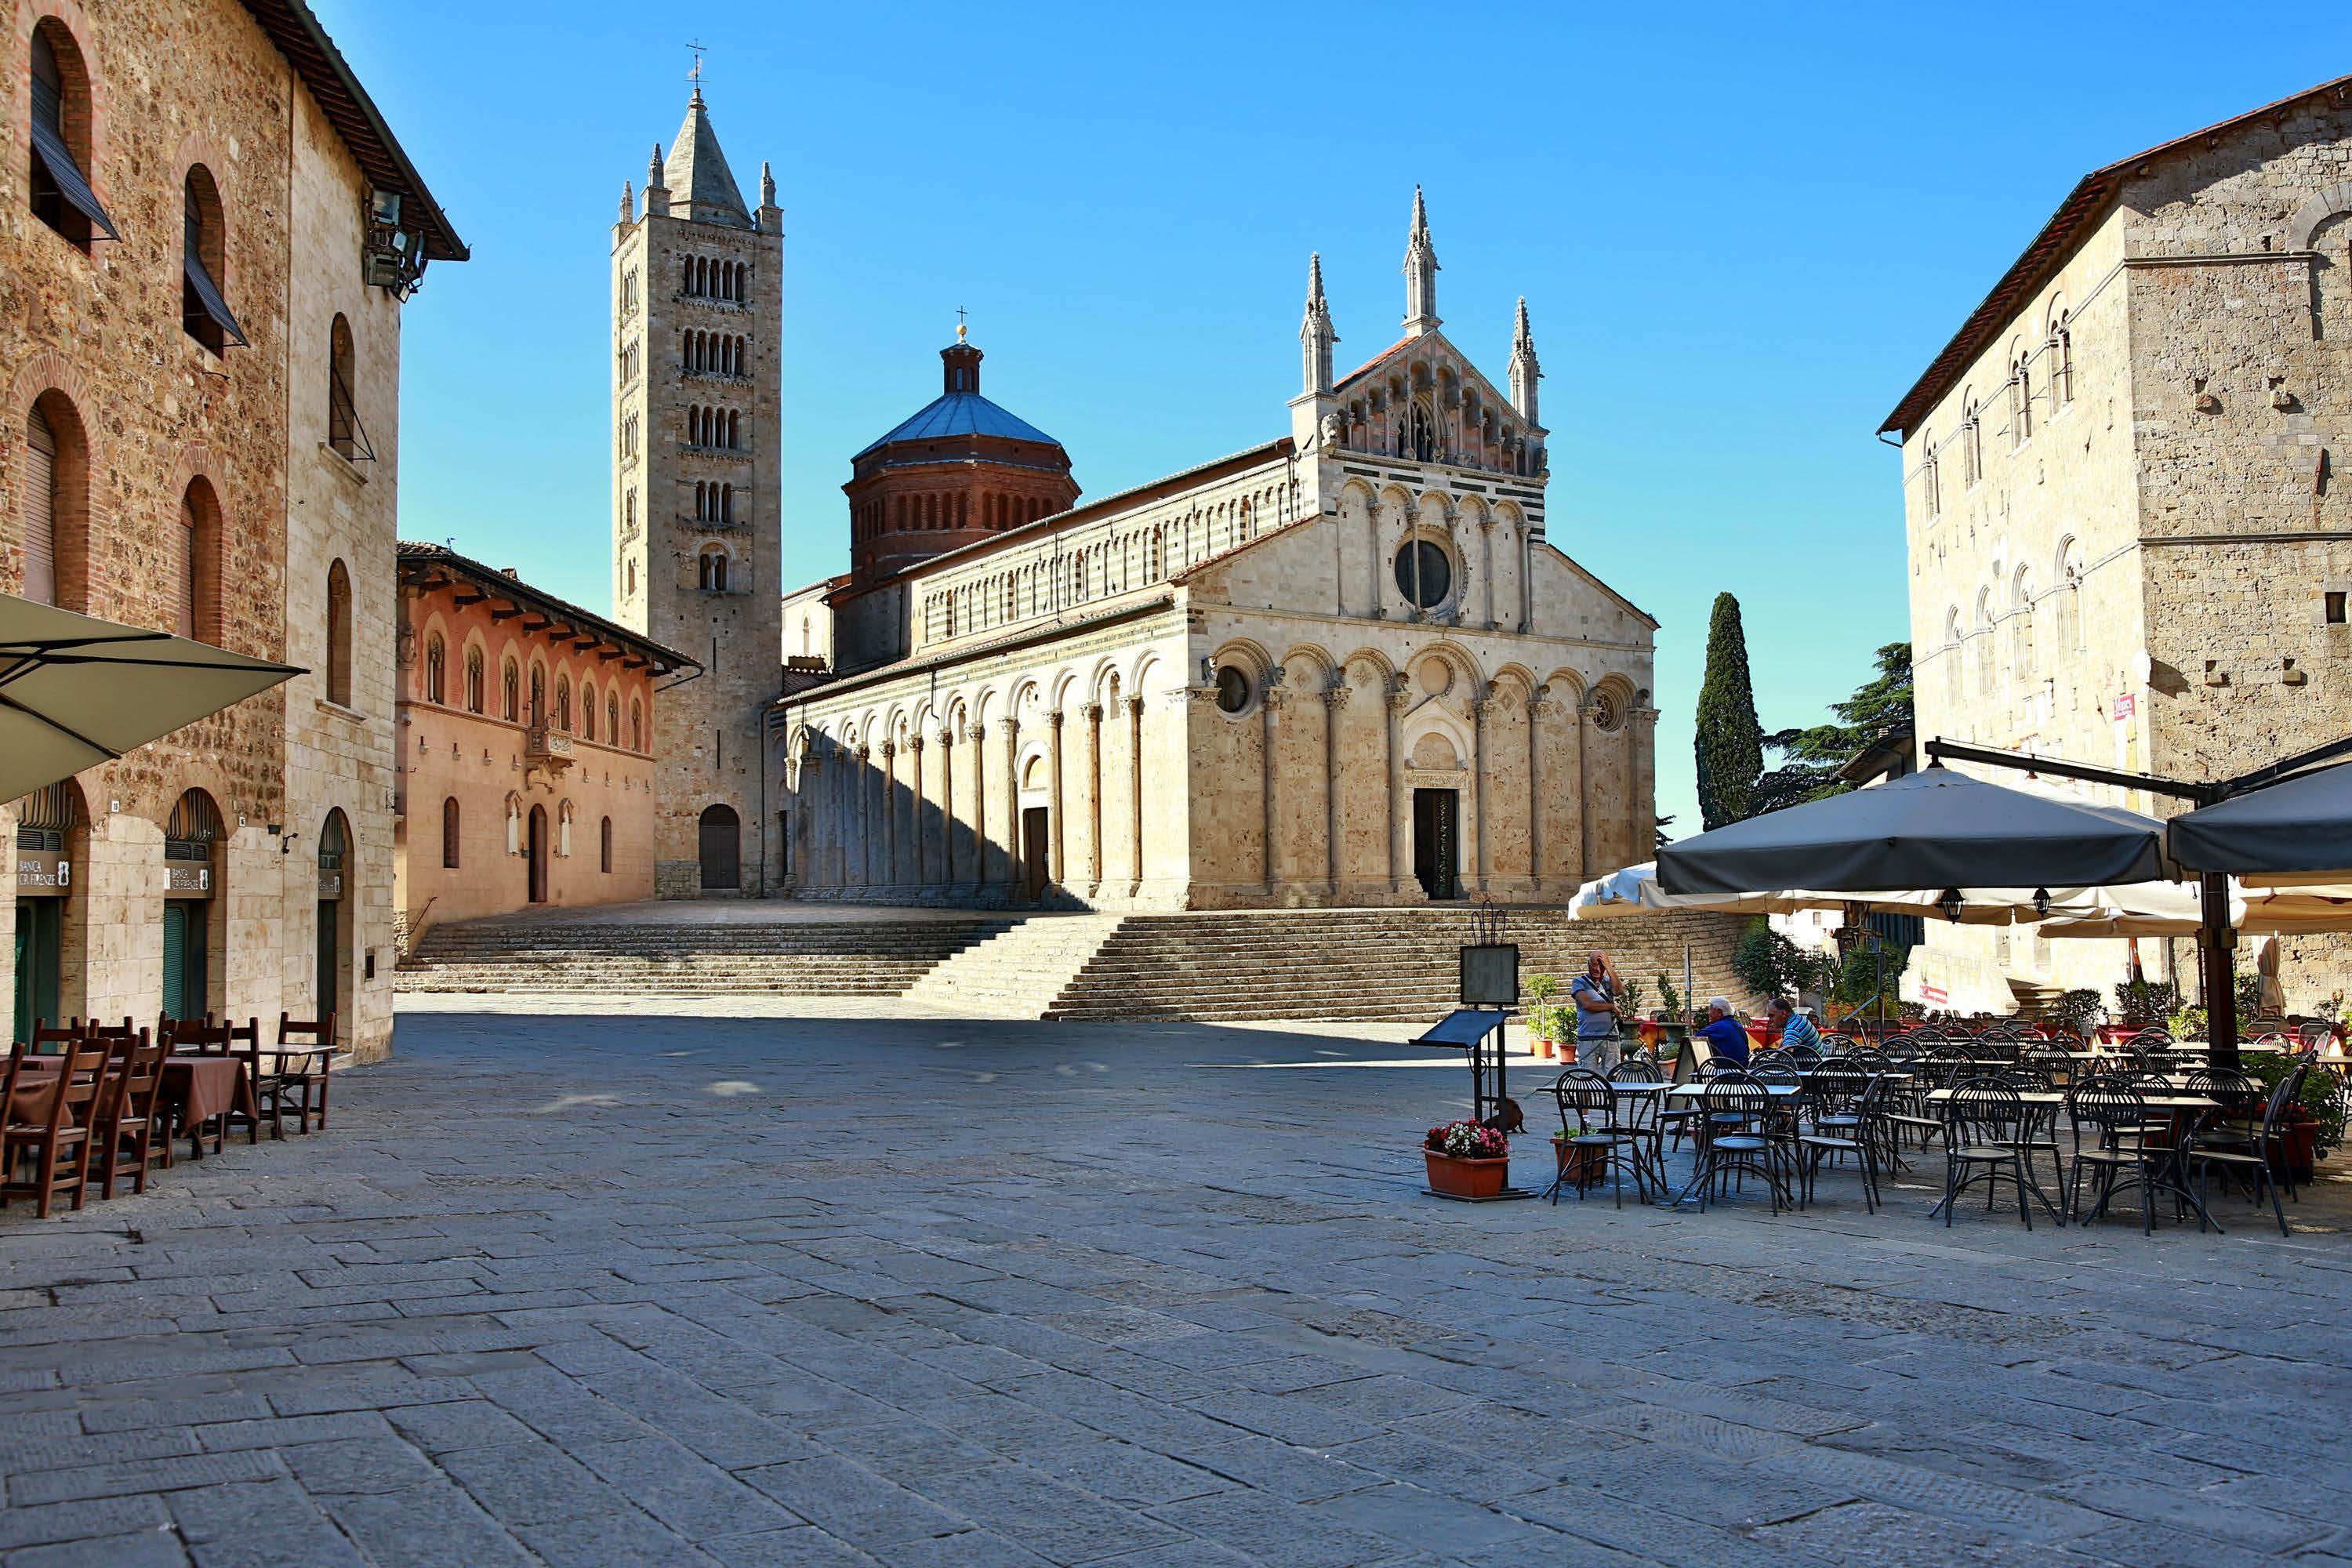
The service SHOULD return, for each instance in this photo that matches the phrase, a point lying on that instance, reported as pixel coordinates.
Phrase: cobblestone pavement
(587, 1291)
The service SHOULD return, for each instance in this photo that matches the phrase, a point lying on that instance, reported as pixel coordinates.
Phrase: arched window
(563, 702)
(449, 833)
(1984, 643)
(2062, 360)
(204, 255)
(2021, 399)
(538, 695)
(196, 591)
(612, 720)
(1931, 475)
(339, 634)
(2021, 654)
(629, 514)
(472, 680)
(511, 694)
(1971, 441)
(343, 432)
(587, 712)
(1952, 659)
(2070, 597)
(604, 845)
(712, 573)
(61, 194)
(54, 527)
(437, 664)
(636, 725)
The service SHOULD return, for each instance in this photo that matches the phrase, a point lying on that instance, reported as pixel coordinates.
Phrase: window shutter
(183, 619)
(40, 538)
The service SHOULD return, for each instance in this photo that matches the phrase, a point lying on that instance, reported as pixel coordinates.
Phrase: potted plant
(1580, 1164)
(1672, 1015)
(2141, 1004)
(1543, 1018)
(1467, 1159)
(2311, 1125)
(2074, 1010)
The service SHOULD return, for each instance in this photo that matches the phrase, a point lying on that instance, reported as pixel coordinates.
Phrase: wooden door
(539, 854)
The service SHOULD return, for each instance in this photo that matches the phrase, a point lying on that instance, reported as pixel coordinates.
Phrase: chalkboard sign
(1490, 975)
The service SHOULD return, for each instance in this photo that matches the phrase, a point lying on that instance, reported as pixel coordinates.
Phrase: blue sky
(1742, 232)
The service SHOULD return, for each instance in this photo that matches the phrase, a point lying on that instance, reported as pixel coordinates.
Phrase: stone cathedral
(1348, 665)
(697, 294)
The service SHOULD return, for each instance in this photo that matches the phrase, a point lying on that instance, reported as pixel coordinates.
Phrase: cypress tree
(1730, 741)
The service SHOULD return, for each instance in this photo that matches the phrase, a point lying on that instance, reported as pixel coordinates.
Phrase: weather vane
(695, 75)
(960, 326)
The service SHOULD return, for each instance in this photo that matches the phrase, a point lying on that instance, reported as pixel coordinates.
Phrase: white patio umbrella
(1635, 890)
(76, 691)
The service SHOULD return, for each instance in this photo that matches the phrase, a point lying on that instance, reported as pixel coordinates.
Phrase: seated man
(1784, 1025)
(1726, 1035)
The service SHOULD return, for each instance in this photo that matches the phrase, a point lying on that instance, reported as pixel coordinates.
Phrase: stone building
(212, 233)
(2129, 543)
(697, 297)
(1343, 666)
(526, 733)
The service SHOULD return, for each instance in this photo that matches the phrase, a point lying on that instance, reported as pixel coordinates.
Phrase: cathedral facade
(1343, 666)
(697, 425)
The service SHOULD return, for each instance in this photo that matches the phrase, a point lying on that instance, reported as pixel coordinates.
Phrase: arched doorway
(334, 855)
(46, 823)
(190, 838)
(538, 852)
(722, 849)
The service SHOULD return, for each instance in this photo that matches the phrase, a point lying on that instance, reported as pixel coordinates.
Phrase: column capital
(1134, 705)
(890, 750)
(975, 734)
(865, 753)
(1540, 708)
(1336, 695)
(1054, 719)
(915, 743)
(1008, 727)
(1091, 712)
(947, 736)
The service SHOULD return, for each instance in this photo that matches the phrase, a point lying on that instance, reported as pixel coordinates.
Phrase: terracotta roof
(415, 560)
(1369, 365)
(2089, 202)
(299, 36)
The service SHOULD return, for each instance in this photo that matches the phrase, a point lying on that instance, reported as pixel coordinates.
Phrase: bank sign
(44, 872)
(185, 881)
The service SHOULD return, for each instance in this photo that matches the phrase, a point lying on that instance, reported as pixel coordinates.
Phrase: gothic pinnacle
(654, 168)
(767, 185)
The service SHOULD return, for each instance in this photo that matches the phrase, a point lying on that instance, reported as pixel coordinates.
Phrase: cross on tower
(695, 75)
(960, 326)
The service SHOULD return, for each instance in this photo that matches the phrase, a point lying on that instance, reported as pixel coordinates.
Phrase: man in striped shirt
(1789, 1026)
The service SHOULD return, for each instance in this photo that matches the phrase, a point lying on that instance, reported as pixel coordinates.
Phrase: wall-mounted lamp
(1950, 904)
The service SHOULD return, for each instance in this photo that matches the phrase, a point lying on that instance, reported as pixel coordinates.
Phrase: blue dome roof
(962, 414)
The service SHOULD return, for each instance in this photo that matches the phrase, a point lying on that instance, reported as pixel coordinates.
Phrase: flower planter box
(1475, 1179)
(1581, 1165)
(2299, 1134)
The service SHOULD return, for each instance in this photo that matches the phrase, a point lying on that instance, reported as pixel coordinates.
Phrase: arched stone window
(449, 834)
(538, 696)
(587, 712)
(339, 634)
(204, 261)
(436, 662)
(1931, 475)
(712, 570)
(2021, 656)
(2021, 399)
(472, 680)
(196, 592)
(636, 725)
(564, 703)
(55, 526)
(511, 694)
(60, 136)
(343, 432)
(612, 720)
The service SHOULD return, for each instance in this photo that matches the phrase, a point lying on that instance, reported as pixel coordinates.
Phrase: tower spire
(1316, 335)
(657, 186)
(1525, 371)
(1419, 273)
(628, 202)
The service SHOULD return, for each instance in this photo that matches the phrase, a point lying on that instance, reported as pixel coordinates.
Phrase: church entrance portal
(1434, 814)
(1033, 852)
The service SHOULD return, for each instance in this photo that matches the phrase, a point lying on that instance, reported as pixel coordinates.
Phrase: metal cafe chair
(1589, 1123)
(1738, 1120)
(2115, 1117)
(1985, 1131)
(1840, 1119)
(1647, 1114)
(2249, 1158)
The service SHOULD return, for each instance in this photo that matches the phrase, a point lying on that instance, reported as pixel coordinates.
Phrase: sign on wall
(182, 880)
(2125, 706)
(43, 873)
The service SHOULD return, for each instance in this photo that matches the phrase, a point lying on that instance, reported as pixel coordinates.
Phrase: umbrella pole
(2214, 941)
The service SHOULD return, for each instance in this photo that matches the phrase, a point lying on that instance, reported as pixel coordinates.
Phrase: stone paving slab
(763, 1288)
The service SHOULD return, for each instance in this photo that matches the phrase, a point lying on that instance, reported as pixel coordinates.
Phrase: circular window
(1425, 575)
(1233, 689)
(1608, 710)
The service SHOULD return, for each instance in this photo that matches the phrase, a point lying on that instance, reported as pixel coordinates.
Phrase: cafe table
(2171, 1174)
(191, 1090)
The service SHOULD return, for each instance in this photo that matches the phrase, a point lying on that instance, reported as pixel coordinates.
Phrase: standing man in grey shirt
(1595, 995)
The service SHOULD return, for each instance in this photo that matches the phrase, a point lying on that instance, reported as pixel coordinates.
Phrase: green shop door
(330, 946)
(187, 963)
(40, 945)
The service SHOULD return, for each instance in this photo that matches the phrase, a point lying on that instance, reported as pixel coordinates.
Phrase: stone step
(1017, 974)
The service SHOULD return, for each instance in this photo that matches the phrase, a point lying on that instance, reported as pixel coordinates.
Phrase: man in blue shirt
(1594, 991)
(1726, 1035)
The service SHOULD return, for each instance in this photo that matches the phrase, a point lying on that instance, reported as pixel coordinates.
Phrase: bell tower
(698, 302)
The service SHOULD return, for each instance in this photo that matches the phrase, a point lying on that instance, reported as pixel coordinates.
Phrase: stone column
(1014, 847)
(947, 808)
(1335, 699)
(1135, 794)
(890, 783)
(1641, 738)
(1269, 702)
(1539, 710)
(1587, 711)
(1379, 603)
(1527, 575)
(922, 861)
(1398, 694)
(864, 787)
(1486, 562)
(1093, 715)
(1478, 707)
(978, 736)
(805, 796)
(1054, 807)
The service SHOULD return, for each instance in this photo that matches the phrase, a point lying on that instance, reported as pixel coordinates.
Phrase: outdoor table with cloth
(194, 1090)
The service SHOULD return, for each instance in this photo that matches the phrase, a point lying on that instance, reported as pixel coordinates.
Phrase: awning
(2300, 828)
(59, 163)
(209, 299)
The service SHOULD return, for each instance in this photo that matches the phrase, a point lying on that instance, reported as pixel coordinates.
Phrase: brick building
(698, 432)
(1343, 666)
(526, 732)
(2129, 544)
(213, 231)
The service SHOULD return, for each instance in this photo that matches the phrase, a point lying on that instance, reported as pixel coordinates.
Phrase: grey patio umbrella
(76, 691)
(1935, 828)
(2297, 829)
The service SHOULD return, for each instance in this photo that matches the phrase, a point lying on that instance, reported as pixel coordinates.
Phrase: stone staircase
(1019, 973)
(1368, 965)
(831, 958)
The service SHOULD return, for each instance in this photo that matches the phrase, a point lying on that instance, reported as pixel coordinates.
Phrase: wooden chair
(128, 1132)
(303, 1061)
(58, 1143)
(191, 1037)
(64, 1037)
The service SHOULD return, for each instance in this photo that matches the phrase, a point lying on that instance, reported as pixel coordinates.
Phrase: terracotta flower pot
(1543, 1048)
(2299, 1134)
(1580, 1164)
(1466, 1178)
